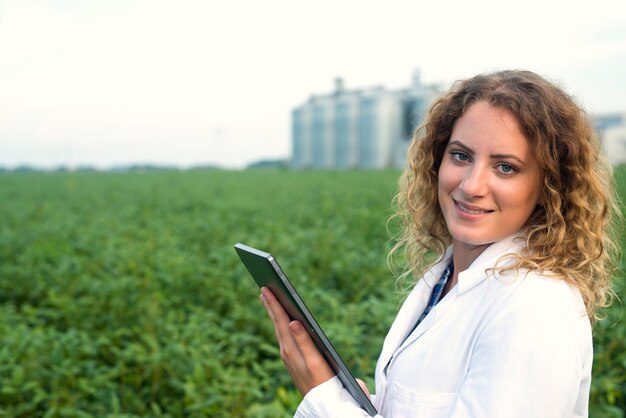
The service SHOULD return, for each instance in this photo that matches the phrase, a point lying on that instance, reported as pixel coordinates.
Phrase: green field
(121, 294)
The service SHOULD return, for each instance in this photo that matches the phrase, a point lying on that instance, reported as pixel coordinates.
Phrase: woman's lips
(470, 210)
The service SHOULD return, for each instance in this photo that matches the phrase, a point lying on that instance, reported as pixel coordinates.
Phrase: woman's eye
(459, 156)
(506, 169)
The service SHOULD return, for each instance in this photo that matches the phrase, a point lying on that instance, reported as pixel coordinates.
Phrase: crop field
(121, 294)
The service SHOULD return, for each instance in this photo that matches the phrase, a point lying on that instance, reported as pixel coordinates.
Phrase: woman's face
(488, 179)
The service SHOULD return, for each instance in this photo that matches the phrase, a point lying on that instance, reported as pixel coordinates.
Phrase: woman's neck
(463, 255)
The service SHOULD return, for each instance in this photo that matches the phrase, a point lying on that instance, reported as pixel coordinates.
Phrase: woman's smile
(469, 209)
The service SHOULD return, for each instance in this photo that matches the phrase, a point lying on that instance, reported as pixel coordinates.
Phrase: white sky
(112, 82)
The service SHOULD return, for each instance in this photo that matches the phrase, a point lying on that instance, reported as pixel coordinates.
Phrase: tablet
(267, 273)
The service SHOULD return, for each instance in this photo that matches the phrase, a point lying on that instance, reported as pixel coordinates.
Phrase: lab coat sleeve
(330, 400)
(529, 361)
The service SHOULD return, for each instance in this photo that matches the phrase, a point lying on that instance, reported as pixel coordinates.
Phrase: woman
(507, 185)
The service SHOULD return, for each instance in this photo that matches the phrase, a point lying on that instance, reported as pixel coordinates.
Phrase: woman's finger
(311, 355)
(275, 310)
(289, 350)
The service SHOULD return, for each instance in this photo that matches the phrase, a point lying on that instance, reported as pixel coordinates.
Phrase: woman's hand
(304, 362)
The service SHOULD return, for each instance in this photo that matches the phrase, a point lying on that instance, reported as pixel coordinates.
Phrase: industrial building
(365, 128)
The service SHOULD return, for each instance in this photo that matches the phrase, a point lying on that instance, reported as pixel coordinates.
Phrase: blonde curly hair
(573, 231)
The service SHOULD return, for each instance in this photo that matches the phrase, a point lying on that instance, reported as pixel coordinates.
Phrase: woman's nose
(474, 182)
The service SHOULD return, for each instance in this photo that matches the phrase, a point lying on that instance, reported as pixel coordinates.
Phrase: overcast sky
(110, 82)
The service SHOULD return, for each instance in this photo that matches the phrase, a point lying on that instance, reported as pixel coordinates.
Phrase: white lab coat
(506, 345)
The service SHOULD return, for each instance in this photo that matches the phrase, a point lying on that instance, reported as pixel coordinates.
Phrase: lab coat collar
(417, 300)
(409, 313)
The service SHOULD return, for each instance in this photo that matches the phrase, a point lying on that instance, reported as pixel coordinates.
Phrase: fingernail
(296, 327)
(262, 297)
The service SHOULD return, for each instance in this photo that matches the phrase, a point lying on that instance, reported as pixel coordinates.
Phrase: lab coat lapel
(405, 320)
(437, 312)
(407, 316)
(411, 310)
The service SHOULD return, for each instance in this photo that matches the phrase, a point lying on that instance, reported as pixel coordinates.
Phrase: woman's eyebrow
(462, 145)
(493, 156)
(515, 157)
